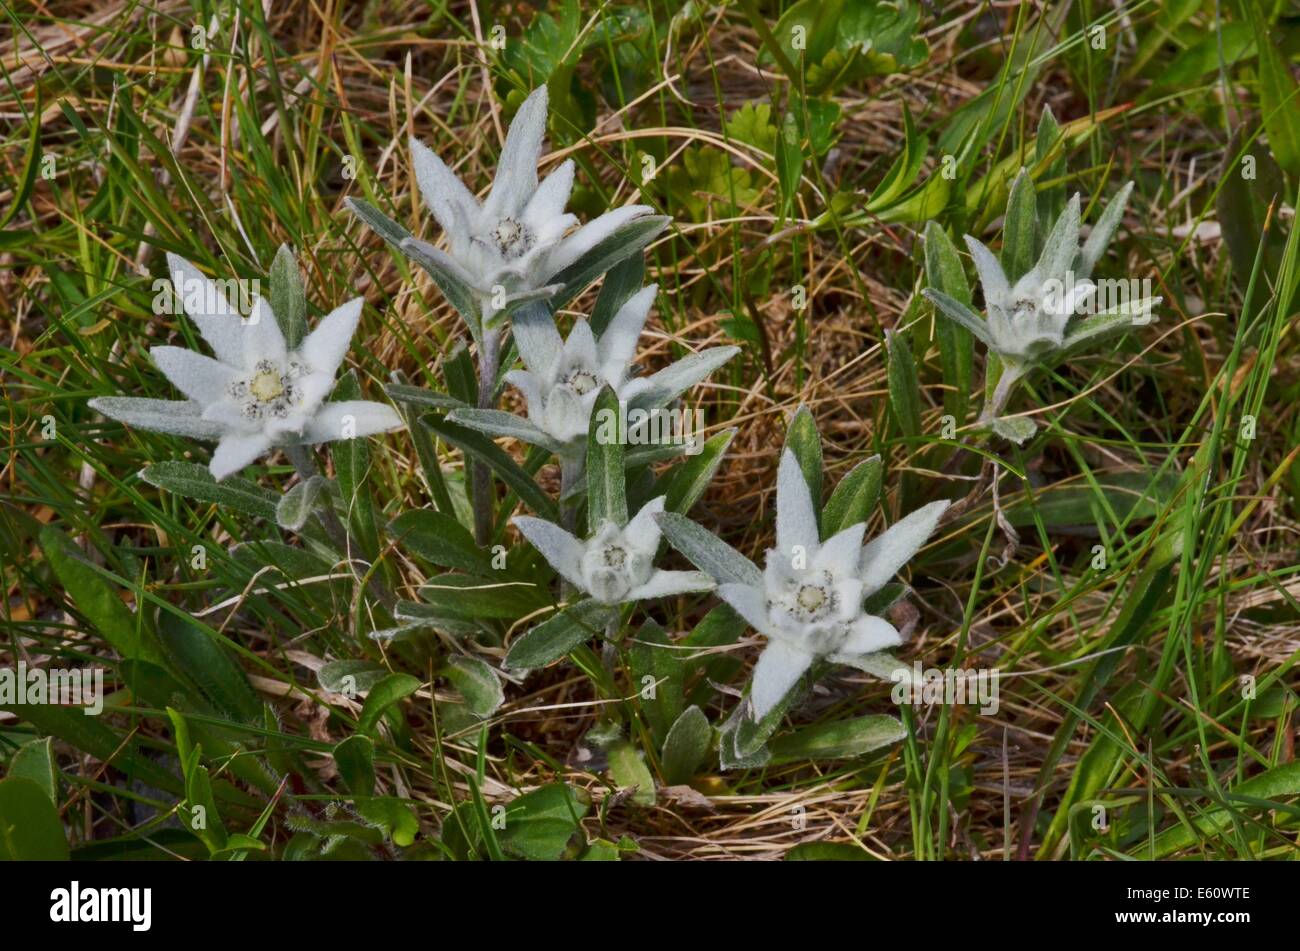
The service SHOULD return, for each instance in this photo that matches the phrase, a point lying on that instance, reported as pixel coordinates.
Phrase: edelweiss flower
(561, 388)
(564, 377)
(516, 239)
(614, 566)
(809, 602)
(256, 394)
(1031, 319)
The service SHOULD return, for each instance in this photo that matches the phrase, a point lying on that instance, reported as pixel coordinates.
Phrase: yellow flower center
(582, 382)
(811, 598)
(266, 385)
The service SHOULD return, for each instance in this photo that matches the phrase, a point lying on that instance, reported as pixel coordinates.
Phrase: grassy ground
(1125, 727)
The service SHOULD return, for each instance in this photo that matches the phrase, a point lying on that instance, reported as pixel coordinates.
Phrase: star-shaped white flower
(563, 378)
(1034, 318)
(614, 565)
(1030, 318)
(256, 394)
(809, 601)
(519, 238)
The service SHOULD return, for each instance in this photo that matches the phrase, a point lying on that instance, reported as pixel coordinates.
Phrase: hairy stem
(480, 475)
(997, 400)
(570, 472)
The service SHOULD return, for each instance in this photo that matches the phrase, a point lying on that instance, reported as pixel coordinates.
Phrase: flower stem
(570, 472)
(997, 400)
(304, 461)
(489, 358)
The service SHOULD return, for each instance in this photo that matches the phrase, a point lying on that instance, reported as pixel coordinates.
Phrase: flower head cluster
(808, 602)
(1031, 318)
(563, 376)
(560, 386)
(256, 394)
(562, 381)
(520, 237)
(614, 565)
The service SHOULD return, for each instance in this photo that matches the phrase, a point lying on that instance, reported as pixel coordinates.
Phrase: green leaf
(558, 635)
(293, 563)
(845, 739)
(27, 178)
(904, 387)
(752, 124)
(539, 824)
(30, 829)
(621, 282)
(200, 815)
(1277, 783)
(600, 851)
(386, 227)
(1131, 496)
(1047, 142)
(1019, 228)
(627, 240)
(383, 695)
(350, 677)
(239, 842)
(35, 761)
(827, 852)
(658, 675)
(422, 440)
(686, 746)
(352, 470)
(459, 374)
(459, 294)
(439, 539)
(1017, 429)
(94, 597)
(298, 504)
(1242, 207)
(903, 172)
(477, 683)
(854, 498)
(288, 297)
(878, 603)
(606, 480)
(195, 482)
(628, 770)
(805, 442)
(960, 314)
(194, 653)
(944, 273)
(707, 552)
(391, 815)
(477, 598)
(355, 759)
(92, 737)
(498, 423)
(426, 399)
(478, 445)
(1278, 102)
(1087, 333)
(685, 483)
